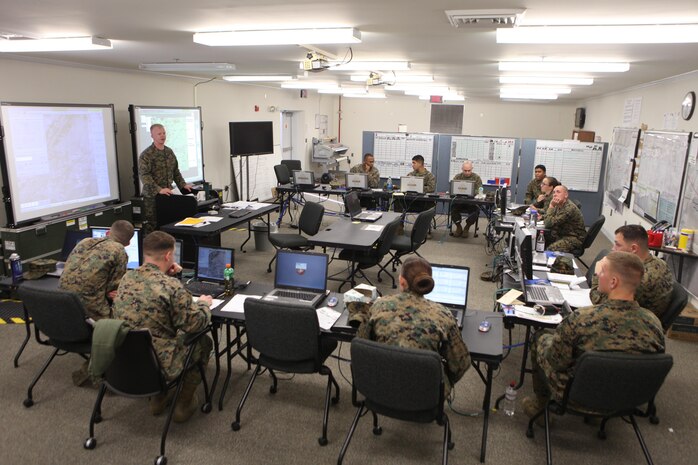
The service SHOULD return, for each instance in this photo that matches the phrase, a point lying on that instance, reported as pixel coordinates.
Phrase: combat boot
(466, 231)
(458, 231)
(159, 403)
(187, 402)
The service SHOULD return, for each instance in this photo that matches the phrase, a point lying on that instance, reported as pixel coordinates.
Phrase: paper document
(527, 313)
(510, 297)
(190, 221)
(577, 298)
(562, 278)
(241, 204)
(214, 302)
(374, 227)
(237, 303)
(326, 317)
(211, 219)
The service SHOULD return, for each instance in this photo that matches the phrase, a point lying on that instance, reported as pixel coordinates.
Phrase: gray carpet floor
(283, 428)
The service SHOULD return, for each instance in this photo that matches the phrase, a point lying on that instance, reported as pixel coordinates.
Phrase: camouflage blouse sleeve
(560, 353)
(429, 182)
(374, 178)
(118, 270)
(187, 315)
(145, 172)
(456, 354)
(478, 182)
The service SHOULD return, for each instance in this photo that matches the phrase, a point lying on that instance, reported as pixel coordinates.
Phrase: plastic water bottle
(526, 217)
(480, 192)
(534, 218)
(228, 274)
(389, 184)
(540, 241)
(508, 196)
(16, 267)
(509, 402)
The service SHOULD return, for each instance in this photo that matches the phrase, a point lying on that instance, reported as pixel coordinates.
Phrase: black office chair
(591, 271)
(404, 245)
(283, 174)
(364, 260)
(287, 339)
(589, 239)
(171, 208)
(402, 383)
(677, 302)
(136, 372)
(292, 165)
(60, 316)
(309, 223)
(614, 383)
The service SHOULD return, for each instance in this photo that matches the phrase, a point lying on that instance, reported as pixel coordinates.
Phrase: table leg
(249, 235)
(486, 410)
(216, 347)
(524, 359)
(229, 366)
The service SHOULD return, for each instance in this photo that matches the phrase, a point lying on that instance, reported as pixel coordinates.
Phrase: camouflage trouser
(547, 381)
(148, 215)
(202, 352)
(472, 212)
(568, 245)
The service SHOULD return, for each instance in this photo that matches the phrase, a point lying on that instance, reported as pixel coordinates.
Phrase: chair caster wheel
(90, 443)
(272, 390)
(380, 280)
(206, 408)
(28, 403)
(335, 400)
(322, 441)
(601, 435)
(378, 430)
(235, 426)
(451, 445)
(529, 432)
(162, 460)
(654, 420)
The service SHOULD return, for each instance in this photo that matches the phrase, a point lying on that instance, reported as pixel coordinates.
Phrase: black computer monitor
(524, 250)
(71, 240)
(503, 200)
(133, 249)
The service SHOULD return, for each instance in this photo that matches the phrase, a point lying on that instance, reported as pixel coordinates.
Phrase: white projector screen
(57, 158)
(184, 137)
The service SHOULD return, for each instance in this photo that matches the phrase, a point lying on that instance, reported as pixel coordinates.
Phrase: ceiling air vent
(485, 18)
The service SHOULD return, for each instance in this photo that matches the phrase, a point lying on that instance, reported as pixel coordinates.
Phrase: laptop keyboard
(544, 294)
(295, 294)
(538, 293)
(201, 288)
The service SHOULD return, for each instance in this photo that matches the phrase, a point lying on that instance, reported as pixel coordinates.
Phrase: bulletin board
(621, 163)
(492, 157)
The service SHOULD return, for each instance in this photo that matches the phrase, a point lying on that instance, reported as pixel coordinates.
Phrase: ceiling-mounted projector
(314, 62)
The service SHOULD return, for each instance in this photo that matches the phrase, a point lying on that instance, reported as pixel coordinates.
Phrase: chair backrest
(398, 382)
(58, 314)
(593, 232)
(282, 332)
(616, 381)
(171, 208)
(311, 218)
(677, 302)
(292, 165)
(135, 370)
(386, 238)
(283, 174)
(592, 266)
(421, 227)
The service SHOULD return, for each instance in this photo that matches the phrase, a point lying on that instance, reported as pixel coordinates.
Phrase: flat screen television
(251, 138)
(57, 159)
(184, 129)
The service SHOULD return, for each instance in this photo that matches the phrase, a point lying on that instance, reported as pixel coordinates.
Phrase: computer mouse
(332, 301)
(484, 326)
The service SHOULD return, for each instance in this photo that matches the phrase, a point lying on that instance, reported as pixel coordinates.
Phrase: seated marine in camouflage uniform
(409, 320)
(565, 222)
(374, 177)
(457, 208)
(419, 170)
(533, 190)
(654, 292)
(617, 325)
(151, 298)
(542, 202)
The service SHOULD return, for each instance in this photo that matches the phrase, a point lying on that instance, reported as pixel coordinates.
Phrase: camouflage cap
(562, 265)
(358, 312)
(38, 268)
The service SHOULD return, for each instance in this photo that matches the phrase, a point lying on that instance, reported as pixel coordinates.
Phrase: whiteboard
(621, 160)
(689, 201)
(492, 157)
(577, 165)
(261, 182)
(662, 159)
(393, 152)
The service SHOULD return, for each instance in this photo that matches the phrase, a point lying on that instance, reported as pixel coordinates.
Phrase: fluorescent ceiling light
(528, 96)
(552, 80)
(368, 95)
(343, 90)
(564, 66)
(337, 35)
(62, 44)
(260, 78)
(429, 91)
(369, 65)
(192, 67)
(309, 85)
(535, 90)
(397, 79)
(626, 34)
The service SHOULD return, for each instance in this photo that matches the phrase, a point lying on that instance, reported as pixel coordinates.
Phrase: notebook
(208, 273)
(357, 181)
(300, 278)
(133, 249)
(412, 184)
(451, 288)
(462, 188)
(352, 205)
(70, 240)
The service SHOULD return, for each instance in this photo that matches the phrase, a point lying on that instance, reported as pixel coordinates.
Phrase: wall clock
(688, 105)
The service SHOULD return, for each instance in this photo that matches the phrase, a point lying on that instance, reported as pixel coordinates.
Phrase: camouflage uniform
(566, 225)
(429, 180)
(409, 320)
(374, 177)
(532, 191)
(150, 299)
(614, 326)
(653, 293)
(459, 207)
(158, 169)
(542, 206)
(93, 269)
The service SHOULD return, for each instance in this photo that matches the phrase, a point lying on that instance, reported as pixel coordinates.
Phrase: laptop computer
(357, 181)
(542, 294)
(133, 249)
(70, 240)
(412, 184)
(208, 273)
(462, 188)
(451, 288)
(304, 179)
(352, 206)
(300, 278)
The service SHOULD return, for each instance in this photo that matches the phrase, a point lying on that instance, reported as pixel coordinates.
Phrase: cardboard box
(685, 327)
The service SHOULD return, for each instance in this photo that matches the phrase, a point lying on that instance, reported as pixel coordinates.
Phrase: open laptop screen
(412, 184)
(352, 204)
(178, 252)
(301, 270)
(211, 261)
(450, 285)
(462, 187)
(133, 249)
(357, 181)
(71, 240)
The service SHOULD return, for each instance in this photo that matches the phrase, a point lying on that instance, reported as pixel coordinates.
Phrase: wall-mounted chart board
(575, 164)
(492, 157)
(658, 187)
(393, 152)
(621, 161)
(689, 200)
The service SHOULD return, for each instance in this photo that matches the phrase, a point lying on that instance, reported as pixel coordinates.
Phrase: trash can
(261, 241)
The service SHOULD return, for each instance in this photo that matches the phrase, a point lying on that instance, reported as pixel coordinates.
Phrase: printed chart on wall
(689, 201)
(393, 152)
(575, 164)
(621, 160)
(492, 158)
(261, 183)
(658, 186)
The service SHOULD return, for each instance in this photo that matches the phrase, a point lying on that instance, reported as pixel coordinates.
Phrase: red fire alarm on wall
(256, 108)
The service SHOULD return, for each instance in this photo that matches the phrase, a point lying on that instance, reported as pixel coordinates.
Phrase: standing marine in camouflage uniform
(457, 208)
(618, 325)
(565, 222)
(409, 320)
(419, 170)
(158, 169)
(654, 292)
(151, 298)
(533, 190)
(374, 177)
